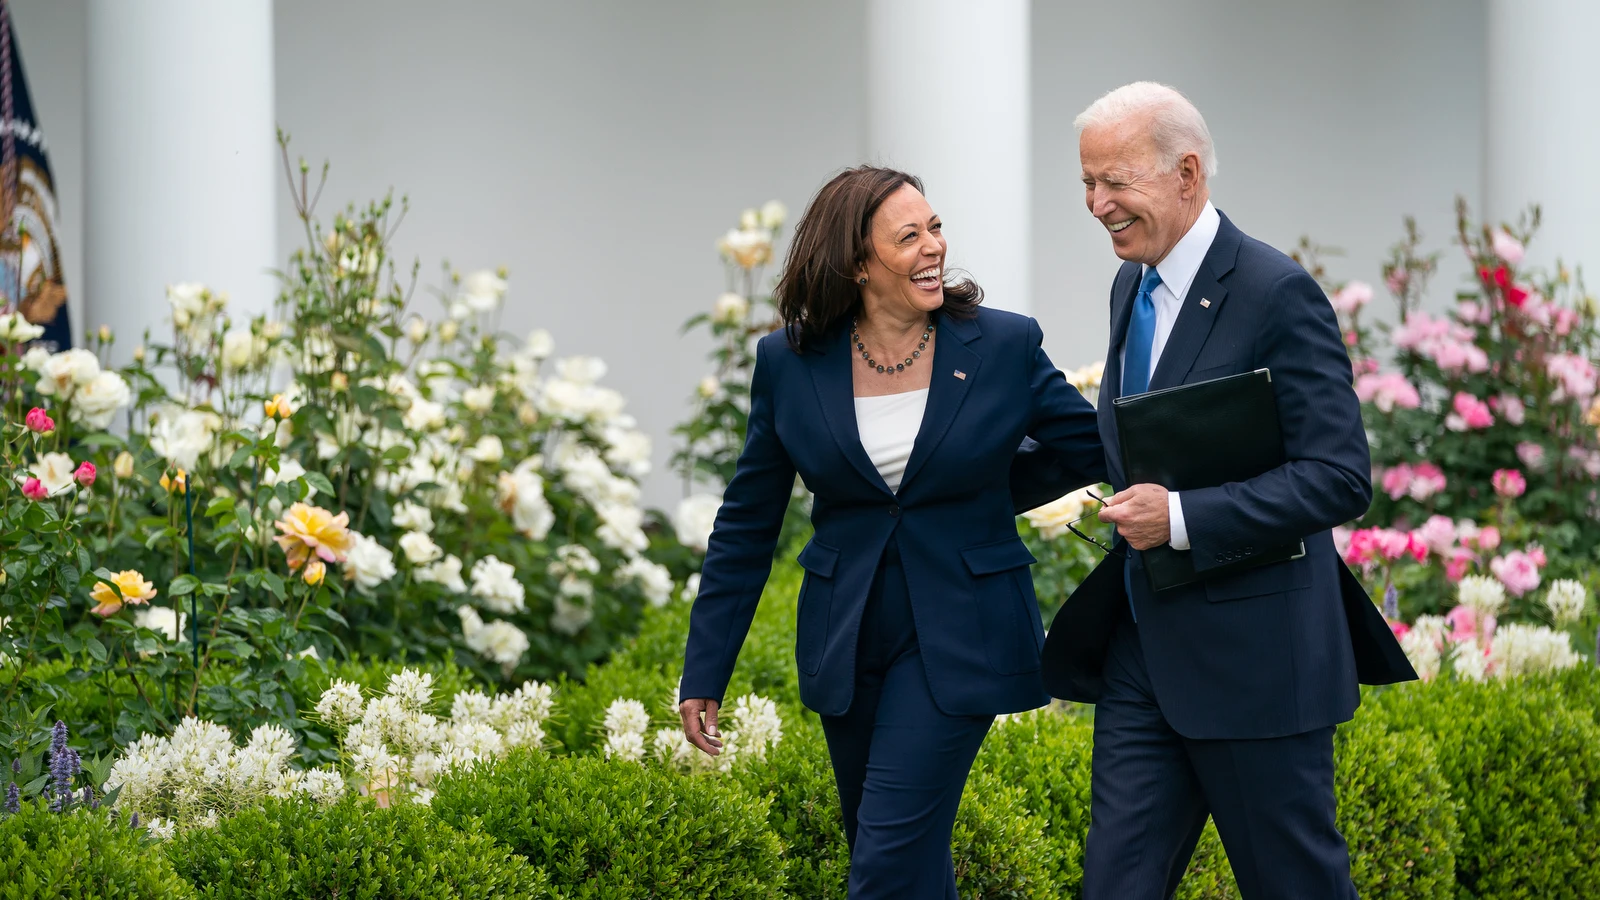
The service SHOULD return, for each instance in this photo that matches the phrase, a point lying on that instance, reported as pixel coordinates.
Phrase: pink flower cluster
(1509, 483)
(1459, 545)
(1368, 546)
(1387, 391)
(1468, 413)
(1350, 298)
(1449, 345)
(1519, 569)
(1510, 407)
(1574, 377)
(1419, 481)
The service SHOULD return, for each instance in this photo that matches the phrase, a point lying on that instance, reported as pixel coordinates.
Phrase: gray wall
(599, 148)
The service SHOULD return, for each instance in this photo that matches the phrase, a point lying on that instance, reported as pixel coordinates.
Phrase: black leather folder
(1202, 435)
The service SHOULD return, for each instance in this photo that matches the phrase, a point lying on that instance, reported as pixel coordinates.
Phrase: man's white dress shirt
(1177, 273)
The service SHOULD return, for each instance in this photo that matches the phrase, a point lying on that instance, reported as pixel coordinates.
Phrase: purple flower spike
(134, 822)
(13, 800)
(1391, 603)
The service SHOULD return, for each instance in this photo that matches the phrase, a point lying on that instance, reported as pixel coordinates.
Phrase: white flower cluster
(1423, 643)
(1521, 649)
(396, 748)
(495, 584)
(197, 774)
(652, 579)
(626, 722)
(499, 640)
(1482, 594)
(93, 395)
(369, 563)
(694, 519)
(753, 727)
(615, 498)
(1567, 600)
(521, 496)
(195, 309)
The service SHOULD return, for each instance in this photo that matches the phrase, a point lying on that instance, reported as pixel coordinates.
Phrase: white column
(1543, 124)
(948, 96)
(181, 162)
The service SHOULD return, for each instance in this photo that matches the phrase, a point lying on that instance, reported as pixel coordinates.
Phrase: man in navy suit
(1219, 697)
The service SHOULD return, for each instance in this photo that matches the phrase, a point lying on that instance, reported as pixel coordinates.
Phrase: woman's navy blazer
(967, 570)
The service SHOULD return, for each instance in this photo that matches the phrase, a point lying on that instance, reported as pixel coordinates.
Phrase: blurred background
(597, 150)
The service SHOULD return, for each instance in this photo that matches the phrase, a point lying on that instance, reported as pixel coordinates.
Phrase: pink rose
(1536, 553)
(1439, 534)
(85, 473)
(1399, 628)
(1508, 248)
(1517, 571)
(1531, 454)
(1509, 483)
(39, 422)
(1574, 377)
(1510, 408)
(1488, 538)
(1565, 321)
(1471, 414)
(33, 489)
(1351, 297)
(1464, 625)
(1427, 479)
(1387, 391)
(1397, 481)
(1458, 566)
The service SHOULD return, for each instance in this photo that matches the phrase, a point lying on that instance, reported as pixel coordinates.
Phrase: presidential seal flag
(30, 261)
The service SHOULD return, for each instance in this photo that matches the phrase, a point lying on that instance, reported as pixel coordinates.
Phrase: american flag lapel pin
(961, 375)
(1204, 303)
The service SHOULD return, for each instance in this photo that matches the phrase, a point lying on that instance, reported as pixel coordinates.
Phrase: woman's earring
(861, 280)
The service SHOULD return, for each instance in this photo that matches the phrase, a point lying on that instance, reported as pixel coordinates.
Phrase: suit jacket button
(894, 510)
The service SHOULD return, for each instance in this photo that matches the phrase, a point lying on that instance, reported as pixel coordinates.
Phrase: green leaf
(183, 585)
(220, 506)
(96, 649)
(320, 482)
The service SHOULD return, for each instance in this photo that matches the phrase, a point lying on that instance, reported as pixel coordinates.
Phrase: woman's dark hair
(817, 292)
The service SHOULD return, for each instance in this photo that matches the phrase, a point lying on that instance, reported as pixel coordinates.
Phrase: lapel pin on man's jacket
(1204, 303)
(961, 375)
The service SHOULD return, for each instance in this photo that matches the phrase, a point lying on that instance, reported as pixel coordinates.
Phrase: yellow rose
(178, 483)
(122, 466)
(124, 587)
(316, 569)
(306, 529)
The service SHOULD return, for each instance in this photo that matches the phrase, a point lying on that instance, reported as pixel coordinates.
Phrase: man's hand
(700, 724)
(1140, 514)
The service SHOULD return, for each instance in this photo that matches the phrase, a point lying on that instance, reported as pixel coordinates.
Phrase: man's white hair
(1176, 126)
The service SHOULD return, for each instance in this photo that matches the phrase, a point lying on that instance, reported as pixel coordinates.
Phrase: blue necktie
(1141, 337)
(1136, 372)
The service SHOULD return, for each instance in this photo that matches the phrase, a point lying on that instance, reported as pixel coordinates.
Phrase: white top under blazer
(888, 426)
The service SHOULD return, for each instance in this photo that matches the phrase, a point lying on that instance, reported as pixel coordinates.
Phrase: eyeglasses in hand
(1091, 540)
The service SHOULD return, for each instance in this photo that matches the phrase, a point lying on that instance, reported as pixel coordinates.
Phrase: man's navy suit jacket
(1278, 649)
(972, 598)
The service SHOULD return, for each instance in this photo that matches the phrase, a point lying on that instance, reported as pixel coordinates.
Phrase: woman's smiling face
(905, 264)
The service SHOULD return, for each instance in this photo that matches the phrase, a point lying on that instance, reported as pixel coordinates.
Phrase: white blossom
(571, 614)
(446, 572)
(1521, 649)
(16, 329)
(181, 435)
(63, 373)
(54, 471)
(419, 548)
(539, 345)
(1423, 652)
(1481, 594)
(730, 309)
(99, 399)
(521, 495)
(652, 579)
(495, 583)
(694, 520)
(482, 291)
(413, 516)
(1566, 601)
(1468, 661)
(369, 562)
(479, 398)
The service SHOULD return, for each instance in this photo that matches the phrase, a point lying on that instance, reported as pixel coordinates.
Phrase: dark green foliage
(351, 849)
(1525, 766)
(798, 780)
(605, 829)
(1046, 756)
(85, 854)
(1001, 849)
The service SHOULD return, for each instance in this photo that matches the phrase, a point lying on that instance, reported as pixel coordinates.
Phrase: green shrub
(797, 779)
(1525, 766)
(1581, 686)
(580, 707)
(1001, 849)
(1046, 755)
(614, 830)
(351, 849)
(83, 854)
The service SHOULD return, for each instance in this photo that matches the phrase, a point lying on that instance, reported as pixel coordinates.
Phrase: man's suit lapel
(955, 368)
(830, 374)
(1200, 309)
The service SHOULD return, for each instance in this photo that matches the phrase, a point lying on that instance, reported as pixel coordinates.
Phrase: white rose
(495, 583)
(424, 415)
(238, 349)
(478, 399)
(773, 213)
(730, 309)
(35, 359)
(65, 372)
(750, 219)
(419, 548)
(16, 329)
(1052, 518)
(488, 450)
(369, 562)
(652, 579)
(482, 290)
(161, 619)
(571, 615)
(188, 301)
(459, 312)
(54, 471)
(447, 572)
(521, 494)
(413, 517)
(416, 329)
(96, 403)
(582, 370)
(696, 516)
(540, 344)
(628, 450)
(181, 435)
(709, 387)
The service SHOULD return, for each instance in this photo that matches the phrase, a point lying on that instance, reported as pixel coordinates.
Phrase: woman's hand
(700, 724)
